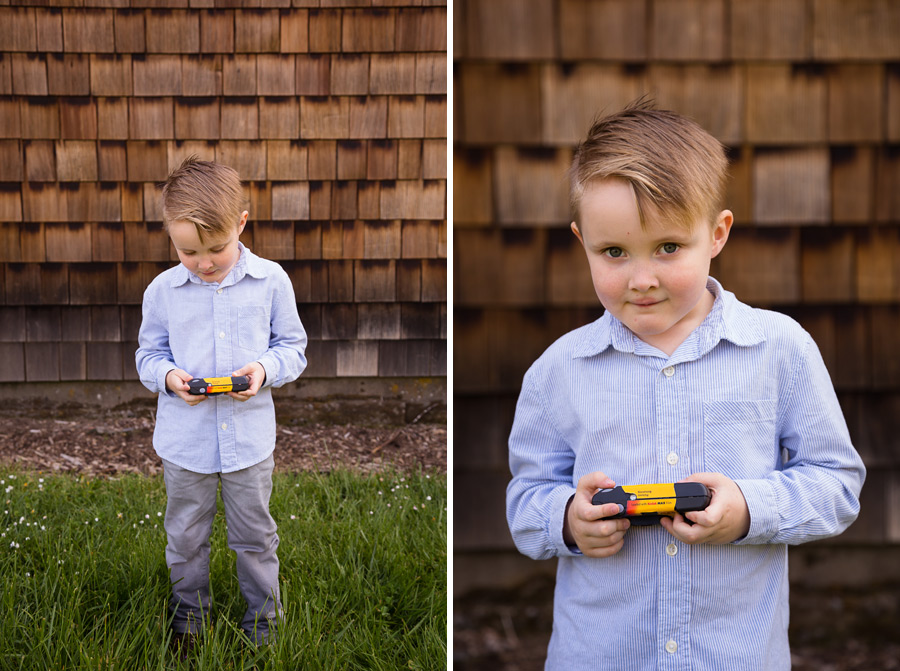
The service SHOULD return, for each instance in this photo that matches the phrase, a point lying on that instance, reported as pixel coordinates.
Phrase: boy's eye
(670, 247)
(613, 252)
(216, 251)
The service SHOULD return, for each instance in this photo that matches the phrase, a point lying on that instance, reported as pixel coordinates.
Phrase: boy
(223, 311)
(677, 381)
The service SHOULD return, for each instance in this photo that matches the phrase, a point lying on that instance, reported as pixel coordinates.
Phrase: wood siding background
(333, 111)
(805, 93)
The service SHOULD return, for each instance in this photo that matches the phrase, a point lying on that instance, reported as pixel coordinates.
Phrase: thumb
(243, 370)
(591, 482)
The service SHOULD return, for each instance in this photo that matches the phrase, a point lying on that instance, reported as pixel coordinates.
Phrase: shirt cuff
(764, 514)
(560, 500)
(270, 365)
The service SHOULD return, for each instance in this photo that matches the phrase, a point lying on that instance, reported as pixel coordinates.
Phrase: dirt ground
(97, 441)
(830, 630)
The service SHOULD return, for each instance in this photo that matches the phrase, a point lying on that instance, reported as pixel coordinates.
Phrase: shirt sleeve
(542, 464)
(285, 358)
(816, 493)
(153, 357)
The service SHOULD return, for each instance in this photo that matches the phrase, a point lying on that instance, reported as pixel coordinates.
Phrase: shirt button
(218, 291)
(224, 426)
(672, 458)
(671, 549)
(669, 371)
(671, 647)
(221, 335)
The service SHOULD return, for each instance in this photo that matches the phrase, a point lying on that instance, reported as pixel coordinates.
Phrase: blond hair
(671, 163)
(207, 194)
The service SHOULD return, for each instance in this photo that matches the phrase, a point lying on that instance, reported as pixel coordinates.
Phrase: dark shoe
(181, 645)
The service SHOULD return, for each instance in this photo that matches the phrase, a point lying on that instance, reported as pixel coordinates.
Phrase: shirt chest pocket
(253, 328)
(740, 438)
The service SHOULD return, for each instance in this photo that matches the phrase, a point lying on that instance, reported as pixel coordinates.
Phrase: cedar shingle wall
(805, 93)
(333, 111)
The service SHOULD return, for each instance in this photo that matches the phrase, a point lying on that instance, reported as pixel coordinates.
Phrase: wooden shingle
(201, 75)
(381, 159)
(313, 74)
(88, 30)
(110, 75)
(92, 284)
(375, 281)
(368, 117)
(104, 361)
(324, 30)
(10, 202)
(146, 161)
(357, 358)
(11, 118)
(413, 199)
(877, 274)
(256, 31)
(248, 158)
(340, 281)
(791, 186)
(308, 240)
(472, 191)
(151, 118)
(69, 75)
(153, 204)
(322, 156)
(393, 74)
(78, 118)
(279, 117)
(887, 184)
(40, 161)
(40, 118)
(324, 118)
(421, 29)
(11, 161)
(775, 283)
(29, 74)
(32, 243)
(379, 321)
(344, 200)
(108, 242)
(510, 29)
(381, 239)
(434, 159)
(353, 239)
(852, 184)
(351, 159)
(76, 161)
(5, 74)
(260, 206)
(276, 75)
(603, 29)
(319, 200)
(274, 239)
(111, 163)
(23, 284)
(196, 118)
(349, 74)
(48, 24)
(41, 362)
(157, 75)
(145, 241)
(17, 29)
(785, 104)
(530, 186)
(893, 103)
(332, 240)
(294, 37)
(499, 104)
(286, 160)
(406, 116)
(409, 159)
(290, 200)
(368, 30)
(368, 200)
(172, 31)
(112, 118)
(129, 31)
(43, 202)
(828, 268)
(68, 242)
(434, 283)
(239, 75)
(855, 103)
(431, 74)
(770, 30)
(339, 322)
(419, 239)
(689, 30)
(240, 118)
(866, 29)
(217, 31)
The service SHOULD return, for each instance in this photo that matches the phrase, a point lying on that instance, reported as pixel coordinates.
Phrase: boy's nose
(643, 279)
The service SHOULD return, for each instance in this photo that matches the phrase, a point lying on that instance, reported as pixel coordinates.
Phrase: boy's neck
(671, 340)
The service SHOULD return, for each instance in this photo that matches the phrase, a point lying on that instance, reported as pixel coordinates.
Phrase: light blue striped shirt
(747, 394)
(211, 330)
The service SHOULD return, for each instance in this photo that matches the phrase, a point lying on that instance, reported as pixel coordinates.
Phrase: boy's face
(652, 279)
(211, 258)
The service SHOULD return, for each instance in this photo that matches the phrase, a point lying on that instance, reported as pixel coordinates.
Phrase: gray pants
(190, 511)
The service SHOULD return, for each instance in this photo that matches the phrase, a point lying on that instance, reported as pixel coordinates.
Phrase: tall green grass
(85, 585)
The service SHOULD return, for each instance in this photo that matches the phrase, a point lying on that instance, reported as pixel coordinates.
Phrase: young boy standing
(222, 312)
(678, 380)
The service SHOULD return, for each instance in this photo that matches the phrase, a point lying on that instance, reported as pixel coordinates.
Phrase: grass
(85, 585)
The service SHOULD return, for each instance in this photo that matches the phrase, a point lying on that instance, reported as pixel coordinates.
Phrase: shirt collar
(248, 263)
(729, 319)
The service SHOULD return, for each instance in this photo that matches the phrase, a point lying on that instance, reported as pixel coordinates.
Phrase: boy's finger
(591, 482)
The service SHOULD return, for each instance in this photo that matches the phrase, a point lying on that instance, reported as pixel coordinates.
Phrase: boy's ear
(720, 231)
(577, 233)
(244, 215)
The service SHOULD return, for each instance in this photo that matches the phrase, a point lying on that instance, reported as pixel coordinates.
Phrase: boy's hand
(582, 524)
(257, 375)
(726, 519)
(177, 382)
